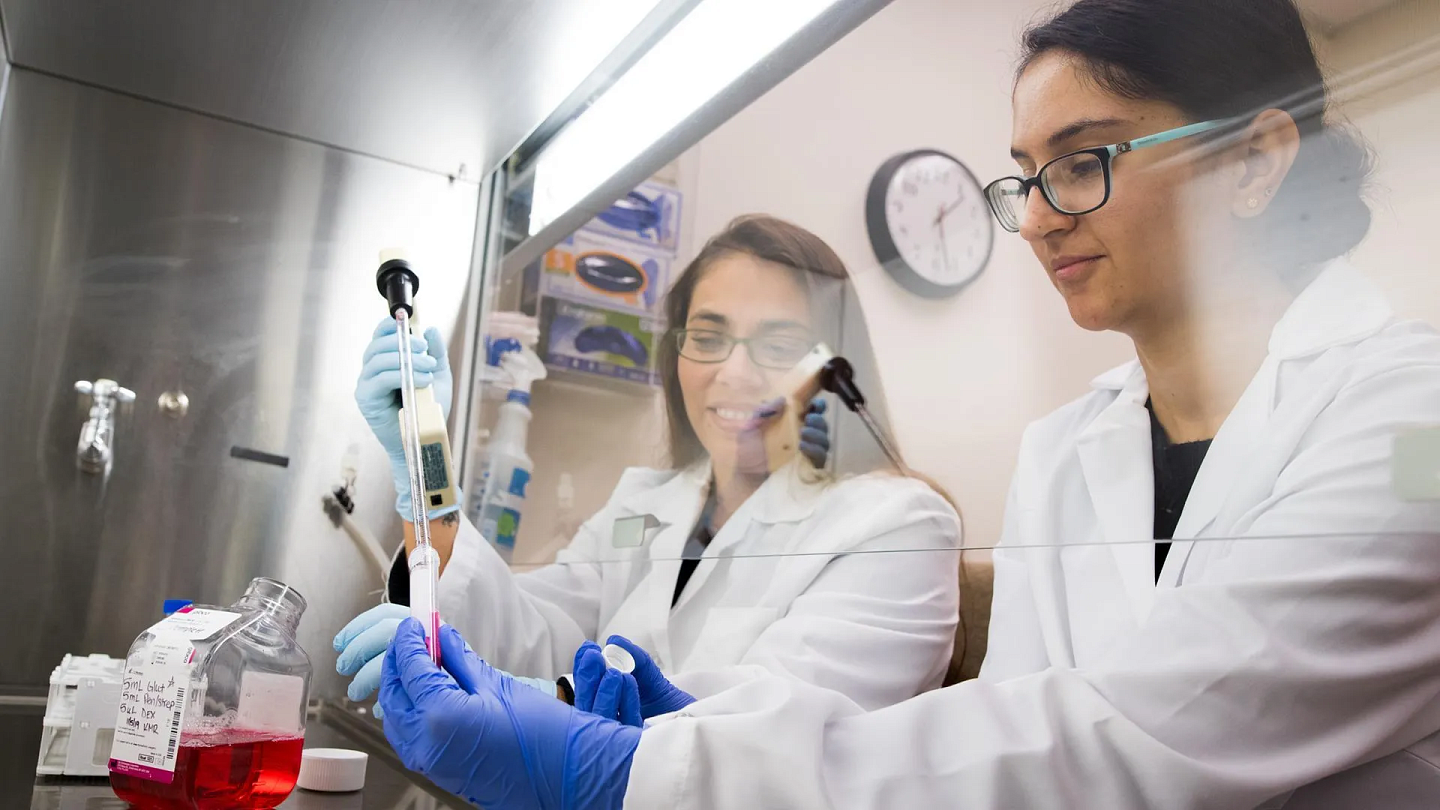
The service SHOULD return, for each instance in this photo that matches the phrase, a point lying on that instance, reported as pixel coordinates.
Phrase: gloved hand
(477, 735)
(362, 644)
(815, 434)
(604, 691)
(378, 395)
(657, 695)
(750, 455)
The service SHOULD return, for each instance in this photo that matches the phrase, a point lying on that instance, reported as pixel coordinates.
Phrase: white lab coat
(876, 627)
(1256, 667)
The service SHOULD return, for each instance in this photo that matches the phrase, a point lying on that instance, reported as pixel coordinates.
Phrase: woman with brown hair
(757, 561)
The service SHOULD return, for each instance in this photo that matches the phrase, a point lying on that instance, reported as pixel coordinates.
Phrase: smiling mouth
(732, 420)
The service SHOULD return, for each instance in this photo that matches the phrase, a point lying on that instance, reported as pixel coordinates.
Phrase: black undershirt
(399, 581)
(1176, 466)
(695, 546)
(687, 568)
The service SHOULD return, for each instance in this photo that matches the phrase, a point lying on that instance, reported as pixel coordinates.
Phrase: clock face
(928, 222)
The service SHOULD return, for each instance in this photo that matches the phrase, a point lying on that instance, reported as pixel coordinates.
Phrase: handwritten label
(147, 729)
(153, 693)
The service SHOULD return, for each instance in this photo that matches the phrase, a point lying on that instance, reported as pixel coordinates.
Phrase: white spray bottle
(510, 466)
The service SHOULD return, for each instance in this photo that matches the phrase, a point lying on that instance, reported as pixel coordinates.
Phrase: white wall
(965, 375)
(1401, 120)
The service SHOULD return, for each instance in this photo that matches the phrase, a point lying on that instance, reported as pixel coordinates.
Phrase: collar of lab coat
(784, 497)
(1339, 307)
(676, 500)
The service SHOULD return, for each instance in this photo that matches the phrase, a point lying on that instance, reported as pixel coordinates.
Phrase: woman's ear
(1269, 145)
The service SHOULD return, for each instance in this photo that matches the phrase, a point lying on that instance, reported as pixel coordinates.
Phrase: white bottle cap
(618, 658)
(332, 770)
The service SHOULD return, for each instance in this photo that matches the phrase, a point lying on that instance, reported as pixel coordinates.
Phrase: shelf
(567, 380)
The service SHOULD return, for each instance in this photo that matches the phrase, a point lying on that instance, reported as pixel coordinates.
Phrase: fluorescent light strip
(702, 55)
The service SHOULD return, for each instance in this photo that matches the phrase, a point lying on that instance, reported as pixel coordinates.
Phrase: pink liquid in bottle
(232, 769)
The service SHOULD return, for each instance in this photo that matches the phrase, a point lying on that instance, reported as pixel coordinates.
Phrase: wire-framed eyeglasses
(773, 351)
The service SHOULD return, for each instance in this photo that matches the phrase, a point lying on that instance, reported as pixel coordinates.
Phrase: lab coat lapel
(676, 506)
(1338, 308)
(1115, 458)
(783, 498)
(1225, 462)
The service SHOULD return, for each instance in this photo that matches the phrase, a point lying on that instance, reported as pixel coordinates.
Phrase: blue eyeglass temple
(1151, 140)
(1166, 136)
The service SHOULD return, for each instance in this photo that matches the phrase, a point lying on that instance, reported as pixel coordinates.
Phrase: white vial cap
(618, 658)
(332, 770)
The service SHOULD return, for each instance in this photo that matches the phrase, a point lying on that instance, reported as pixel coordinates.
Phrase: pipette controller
(427, 448)
(838, 377)
(821, 368)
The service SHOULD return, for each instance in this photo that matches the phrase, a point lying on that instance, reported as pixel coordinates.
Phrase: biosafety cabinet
(193, 196)
(192, 199)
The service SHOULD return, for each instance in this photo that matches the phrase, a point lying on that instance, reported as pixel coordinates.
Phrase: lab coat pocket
(727, 635)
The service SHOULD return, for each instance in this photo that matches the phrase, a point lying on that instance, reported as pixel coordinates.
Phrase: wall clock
(928, 222)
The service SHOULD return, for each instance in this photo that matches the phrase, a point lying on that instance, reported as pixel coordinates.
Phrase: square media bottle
(212, 709)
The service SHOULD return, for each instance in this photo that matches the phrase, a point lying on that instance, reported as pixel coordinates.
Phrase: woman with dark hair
(750, 570)
(1178, 184)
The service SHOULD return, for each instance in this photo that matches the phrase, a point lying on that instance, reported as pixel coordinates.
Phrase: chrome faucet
(97, 435)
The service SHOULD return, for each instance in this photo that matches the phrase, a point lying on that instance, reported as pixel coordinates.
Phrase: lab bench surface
(388, 785)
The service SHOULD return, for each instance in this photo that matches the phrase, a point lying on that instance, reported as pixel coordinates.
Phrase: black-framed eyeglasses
(1077, 183)
(777, 351)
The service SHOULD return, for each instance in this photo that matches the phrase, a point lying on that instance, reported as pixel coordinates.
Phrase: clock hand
(944, 248)
(946, 209)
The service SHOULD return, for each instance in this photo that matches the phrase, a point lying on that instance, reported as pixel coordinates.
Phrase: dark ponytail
(1224, 58)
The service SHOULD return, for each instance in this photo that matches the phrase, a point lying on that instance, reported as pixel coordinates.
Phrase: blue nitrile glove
(362, 644)
(479, 736)
(378, 395)
(815, 434)
(604, 691)
(657, 695)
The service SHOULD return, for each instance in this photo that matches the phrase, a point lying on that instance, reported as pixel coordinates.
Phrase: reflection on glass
(733, 543)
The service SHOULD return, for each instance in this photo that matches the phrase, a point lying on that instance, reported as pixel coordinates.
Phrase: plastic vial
(618, 658)
(212, 708)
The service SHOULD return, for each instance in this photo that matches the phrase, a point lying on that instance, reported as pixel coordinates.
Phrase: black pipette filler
(838, 377)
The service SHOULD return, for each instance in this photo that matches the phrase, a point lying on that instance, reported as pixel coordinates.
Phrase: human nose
(1039, 219)
(739, 369)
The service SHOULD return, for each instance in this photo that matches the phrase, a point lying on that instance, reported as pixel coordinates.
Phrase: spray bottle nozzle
(524, 367)
(398, 283)
(496, 349)
(838, 377)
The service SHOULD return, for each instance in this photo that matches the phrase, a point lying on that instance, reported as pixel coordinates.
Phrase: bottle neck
(511, 428)
(284, 604)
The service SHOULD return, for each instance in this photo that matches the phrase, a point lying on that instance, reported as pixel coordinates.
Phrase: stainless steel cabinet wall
(170, 251)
